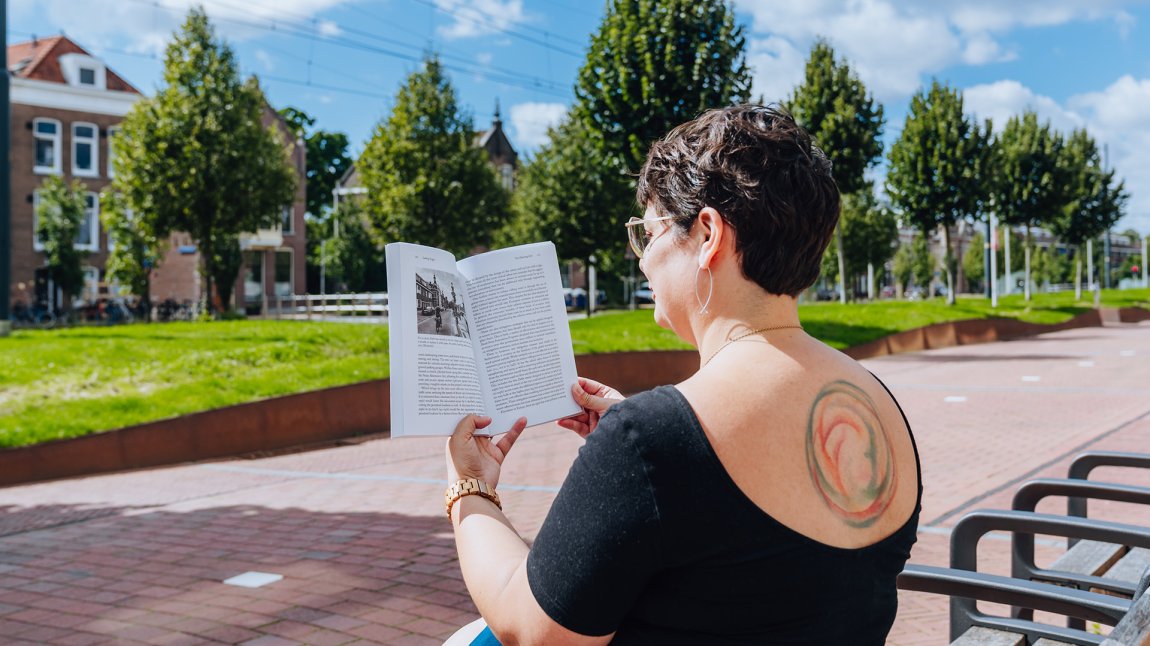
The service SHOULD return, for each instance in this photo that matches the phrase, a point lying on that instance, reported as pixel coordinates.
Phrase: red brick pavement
(359, 536)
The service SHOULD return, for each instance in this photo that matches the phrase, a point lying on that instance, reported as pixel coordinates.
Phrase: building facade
(66, 106)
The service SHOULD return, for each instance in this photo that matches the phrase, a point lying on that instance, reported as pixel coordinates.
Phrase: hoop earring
(710, 290)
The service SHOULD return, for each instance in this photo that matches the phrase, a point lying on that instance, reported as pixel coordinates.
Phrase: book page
(434, 377)
(526, 363)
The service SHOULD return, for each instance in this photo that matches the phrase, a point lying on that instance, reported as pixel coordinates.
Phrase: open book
(487, 334)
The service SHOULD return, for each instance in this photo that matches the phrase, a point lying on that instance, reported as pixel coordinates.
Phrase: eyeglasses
(637, 234)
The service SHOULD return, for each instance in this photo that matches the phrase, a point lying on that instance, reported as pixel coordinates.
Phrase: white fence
(360, 307)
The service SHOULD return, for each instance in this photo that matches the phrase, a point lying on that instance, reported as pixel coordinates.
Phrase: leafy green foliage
(654, 64)
(941, 166)
(1096, 199)
(196, 157)
(327, 158)
(573, 195)
(833, 105)
(427, 182)
(59, 216)
(133, 250)
(974, 261)
(922, 262)
(350, 259)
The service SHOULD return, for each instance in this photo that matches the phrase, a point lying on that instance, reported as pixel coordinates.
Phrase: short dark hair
(759, 169)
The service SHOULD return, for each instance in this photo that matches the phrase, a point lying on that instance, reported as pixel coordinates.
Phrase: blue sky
(1078, 63)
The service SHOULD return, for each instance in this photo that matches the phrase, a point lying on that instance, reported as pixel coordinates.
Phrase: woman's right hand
(595, 398)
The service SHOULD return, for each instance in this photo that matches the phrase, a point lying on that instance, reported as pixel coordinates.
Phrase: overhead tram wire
(503, 30)
(288, 29)
(304, 29)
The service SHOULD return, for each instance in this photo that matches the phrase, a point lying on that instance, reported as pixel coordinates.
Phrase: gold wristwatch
(469, 487)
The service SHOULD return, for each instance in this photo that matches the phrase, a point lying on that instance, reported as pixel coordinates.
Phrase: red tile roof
(40, 60)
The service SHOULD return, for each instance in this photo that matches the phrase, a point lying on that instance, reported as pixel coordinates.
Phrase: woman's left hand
(479, 456)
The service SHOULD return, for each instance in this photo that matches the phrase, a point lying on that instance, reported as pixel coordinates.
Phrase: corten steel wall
(334, 414)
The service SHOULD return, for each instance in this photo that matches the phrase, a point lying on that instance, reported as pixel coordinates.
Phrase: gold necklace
(747, 334)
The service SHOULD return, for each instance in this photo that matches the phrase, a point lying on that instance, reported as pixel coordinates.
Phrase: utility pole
(5, 183)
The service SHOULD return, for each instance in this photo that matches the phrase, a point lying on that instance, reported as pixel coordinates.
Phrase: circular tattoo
(849, 454)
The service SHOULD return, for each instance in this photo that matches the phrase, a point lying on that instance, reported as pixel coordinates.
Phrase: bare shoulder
(814, 439)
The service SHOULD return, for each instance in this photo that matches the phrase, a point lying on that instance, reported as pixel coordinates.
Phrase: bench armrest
(964, 587)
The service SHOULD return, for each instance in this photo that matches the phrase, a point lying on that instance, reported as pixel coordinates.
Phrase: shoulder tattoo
(849, 454)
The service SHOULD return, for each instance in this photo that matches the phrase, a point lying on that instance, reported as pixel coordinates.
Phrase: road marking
(1127, 353)
(253, 579)
(954, 399)
(1086, 364)
(1032, 378)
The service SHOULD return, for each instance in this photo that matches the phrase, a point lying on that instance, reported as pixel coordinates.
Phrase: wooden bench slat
(1130, 567)
(981, 636)
(1089, 557)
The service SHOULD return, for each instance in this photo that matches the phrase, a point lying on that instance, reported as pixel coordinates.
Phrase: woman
(773, 496)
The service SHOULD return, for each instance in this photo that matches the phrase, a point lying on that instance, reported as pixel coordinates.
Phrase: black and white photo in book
(439, 306)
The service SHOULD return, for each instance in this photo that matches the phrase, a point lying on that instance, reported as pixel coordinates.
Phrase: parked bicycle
(36, 315)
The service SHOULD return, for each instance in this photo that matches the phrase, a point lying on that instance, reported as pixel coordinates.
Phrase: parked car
(827, 295)
(577, 298)
(644, 295)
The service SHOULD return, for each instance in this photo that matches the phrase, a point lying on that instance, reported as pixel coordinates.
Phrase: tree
(427, 183)
(833, 105)
(133, 248)
(1095, 203)
(566, 194)
(327, 159)
(923, 263)
(59, 216)
(347, 255)
(941, 167)
(197, 158)
(1035, 190)
(654, 64)
(974, 260)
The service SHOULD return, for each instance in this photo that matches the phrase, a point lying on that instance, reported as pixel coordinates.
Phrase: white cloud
(265, 59)
(1125, 23)
(530, 121)
(484, 58)
(895, 45)
(329, 29)
(1004, 99)
(147, 29)
(1113, 116)
(778, 68)
(479, 17)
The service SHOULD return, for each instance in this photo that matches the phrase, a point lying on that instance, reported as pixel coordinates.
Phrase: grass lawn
(65, 383)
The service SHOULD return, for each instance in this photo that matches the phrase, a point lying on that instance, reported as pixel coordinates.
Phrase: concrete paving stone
(81, 639)
(339, 622)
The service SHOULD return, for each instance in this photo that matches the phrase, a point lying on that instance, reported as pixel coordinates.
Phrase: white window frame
(94, 142)
(57, 148)
(289, 212)
(113, 132)
(36, 244)
(93, 216)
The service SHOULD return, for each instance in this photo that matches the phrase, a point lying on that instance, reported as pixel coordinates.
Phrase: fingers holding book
(479, 456)
(594, 398)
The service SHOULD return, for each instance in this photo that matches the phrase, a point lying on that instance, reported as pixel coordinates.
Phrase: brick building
(66, 106)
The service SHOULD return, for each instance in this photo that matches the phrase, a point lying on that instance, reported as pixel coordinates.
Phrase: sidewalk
(366, 555)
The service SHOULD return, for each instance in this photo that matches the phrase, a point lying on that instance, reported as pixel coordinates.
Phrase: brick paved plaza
(359, 536)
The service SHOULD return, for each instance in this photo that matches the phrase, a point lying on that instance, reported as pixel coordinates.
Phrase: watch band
(469, 487)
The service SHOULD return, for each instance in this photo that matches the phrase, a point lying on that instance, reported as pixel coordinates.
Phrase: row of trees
(197, 158)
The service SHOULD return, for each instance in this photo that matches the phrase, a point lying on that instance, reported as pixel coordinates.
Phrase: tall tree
(1096, 199)
(59, 216)
(133, 248)
(833, 105)
(327, 158)
(566, 194)
(940, 167)
(196, 157)
(870, 236)
(1036, 186)
(654, 64)
(427, 182)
